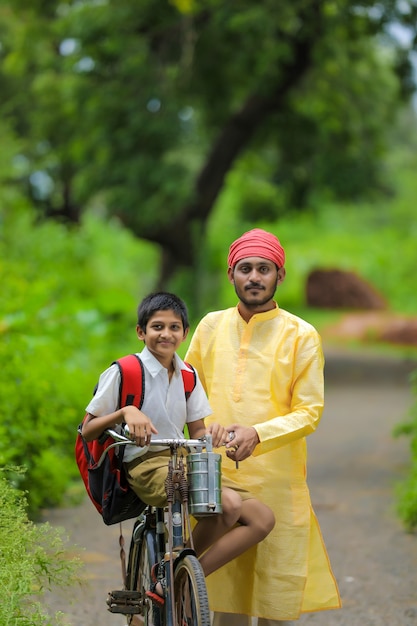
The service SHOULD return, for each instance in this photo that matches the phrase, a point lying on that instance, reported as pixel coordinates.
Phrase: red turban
(256, 242)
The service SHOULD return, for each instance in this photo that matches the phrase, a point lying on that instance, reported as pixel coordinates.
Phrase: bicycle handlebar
(177, 442)
(174, 443)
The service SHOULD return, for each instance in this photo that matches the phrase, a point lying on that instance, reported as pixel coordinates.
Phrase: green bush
(67, 311)
(407, 490)
(33, 558)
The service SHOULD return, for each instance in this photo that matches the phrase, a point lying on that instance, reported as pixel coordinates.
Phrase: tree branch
(177, 238)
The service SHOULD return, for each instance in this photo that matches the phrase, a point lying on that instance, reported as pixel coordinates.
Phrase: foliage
(66, 314)
(407, 490)
(33, 557)
(69, 297)
(331, 236)
(144, 107)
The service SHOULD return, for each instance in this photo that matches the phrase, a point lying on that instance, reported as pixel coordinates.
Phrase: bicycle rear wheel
(191, 600)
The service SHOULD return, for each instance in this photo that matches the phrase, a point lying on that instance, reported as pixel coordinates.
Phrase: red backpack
(107, 484)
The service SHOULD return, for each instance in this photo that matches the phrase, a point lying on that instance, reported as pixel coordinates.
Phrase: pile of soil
(370, 327)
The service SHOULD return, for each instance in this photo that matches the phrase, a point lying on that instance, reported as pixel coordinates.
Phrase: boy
(163, 325)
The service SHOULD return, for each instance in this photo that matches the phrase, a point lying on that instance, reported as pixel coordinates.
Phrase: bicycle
(161, 545)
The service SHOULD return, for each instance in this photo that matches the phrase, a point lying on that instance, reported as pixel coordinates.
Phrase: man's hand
(243, 444)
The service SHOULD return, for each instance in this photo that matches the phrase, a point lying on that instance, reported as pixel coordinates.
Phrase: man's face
(255, 280)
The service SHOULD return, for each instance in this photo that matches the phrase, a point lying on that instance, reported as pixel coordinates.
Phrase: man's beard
(260, 300)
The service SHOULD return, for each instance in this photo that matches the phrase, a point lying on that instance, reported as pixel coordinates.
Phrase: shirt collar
(154, 367)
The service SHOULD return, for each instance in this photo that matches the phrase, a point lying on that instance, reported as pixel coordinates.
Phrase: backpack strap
(189, 379)
(132, 380)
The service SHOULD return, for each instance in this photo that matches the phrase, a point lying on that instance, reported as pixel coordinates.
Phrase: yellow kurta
(268, 373)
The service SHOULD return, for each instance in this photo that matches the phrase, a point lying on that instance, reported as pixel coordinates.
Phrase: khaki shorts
(146, 475)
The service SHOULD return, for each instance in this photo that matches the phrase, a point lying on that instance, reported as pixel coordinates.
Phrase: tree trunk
(176, 239)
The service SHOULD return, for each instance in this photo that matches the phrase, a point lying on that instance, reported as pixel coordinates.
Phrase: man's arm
(305, 411)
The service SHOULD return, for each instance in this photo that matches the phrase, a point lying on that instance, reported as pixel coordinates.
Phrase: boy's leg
(146, 475)
(254, 524)
(209, 529)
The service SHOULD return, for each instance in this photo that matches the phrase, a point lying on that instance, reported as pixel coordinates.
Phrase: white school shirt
(164, 401)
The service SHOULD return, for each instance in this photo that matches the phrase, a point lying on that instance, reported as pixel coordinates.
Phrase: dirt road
(353, 466)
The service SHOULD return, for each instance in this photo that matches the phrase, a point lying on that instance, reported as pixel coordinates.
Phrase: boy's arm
(140, 426)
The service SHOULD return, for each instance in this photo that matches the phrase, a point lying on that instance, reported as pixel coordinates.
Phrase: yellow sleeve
(307, 399)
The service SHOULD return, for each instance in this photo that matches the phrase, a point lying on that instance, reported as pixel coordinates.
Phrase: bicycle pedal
(125, 602)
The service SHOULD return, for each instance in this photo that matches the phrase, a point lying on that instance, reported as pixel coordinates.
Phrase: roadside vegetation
(69, 298)
(33, 558)
(407, 490)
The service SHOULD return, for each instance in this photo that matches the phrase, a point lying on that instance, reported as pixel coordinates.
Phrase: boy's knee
(263, 519)
(232, 505)
(269, 520)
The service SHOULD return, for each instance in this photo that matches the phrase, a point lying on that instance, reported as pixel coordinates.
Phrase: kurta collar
(260, 317)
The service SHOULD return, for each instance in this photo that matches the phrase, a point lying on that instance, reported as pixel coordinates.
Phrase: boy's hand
(139, 424)
(219, 434)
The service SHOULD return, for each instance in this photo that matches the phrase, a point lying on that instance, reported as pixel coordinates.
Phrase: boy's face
(163, 335)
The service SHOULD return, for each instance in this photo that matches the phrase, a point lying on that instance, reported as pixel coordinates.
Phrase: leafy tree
(143, 107)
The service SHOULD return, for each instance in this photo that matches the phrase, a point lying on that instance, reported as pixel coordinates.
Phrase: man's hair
(161, 301)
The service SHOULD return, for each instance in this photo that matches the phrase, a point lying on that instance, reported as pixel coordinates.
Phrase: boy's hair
(161, 301)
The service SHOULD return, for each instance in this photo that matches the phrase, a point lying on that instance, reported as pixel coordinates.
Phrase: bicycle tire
(142, 556)
(190, 592)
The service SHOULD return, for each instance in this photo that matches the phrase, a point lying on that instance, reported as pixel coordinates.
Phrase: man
(262, 368)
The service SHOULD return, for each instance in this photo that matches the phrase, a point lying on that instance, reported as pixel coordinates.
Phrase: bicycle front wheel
(190, 591)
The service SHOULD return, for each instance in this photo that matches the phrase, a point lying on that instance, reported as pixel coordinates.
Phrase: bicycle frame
(150, 546)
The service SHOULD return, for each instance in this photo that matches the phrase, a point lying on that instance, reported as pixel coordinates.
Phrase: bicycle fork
(176, 487)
